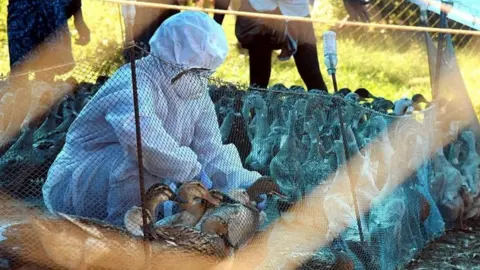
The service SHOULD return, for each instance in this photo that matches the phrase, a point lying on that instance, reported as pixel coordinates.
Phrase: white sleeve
(162, 155)
(217, 157)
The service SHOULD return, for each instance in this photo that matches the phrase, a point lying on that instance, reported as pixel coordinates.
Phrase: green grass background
(375, 66)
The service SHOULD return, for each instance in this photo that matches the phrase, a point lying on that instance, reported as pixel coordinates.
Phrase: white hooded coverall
(96, 173)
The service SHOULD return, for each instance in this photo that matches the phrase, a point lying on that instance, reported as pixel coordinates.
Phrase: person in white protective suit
(96, 173)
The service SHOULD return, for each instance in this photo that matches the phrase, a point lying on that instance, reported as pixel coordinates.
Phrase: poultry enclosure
(409, 192)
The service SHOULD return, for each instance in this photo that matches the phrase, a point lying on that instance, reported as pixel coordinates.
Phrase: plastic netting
(404, 12)
(398, 12)
(303, 149)
(286, 133)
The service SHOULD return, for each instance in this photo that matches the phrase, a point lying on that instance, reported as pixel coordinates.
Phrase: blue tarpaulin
(451, 86)
(466, 12)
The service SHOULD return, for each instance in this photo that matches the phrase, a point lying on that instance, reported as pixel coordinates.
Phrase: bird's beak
(277, 194)
(209, 198)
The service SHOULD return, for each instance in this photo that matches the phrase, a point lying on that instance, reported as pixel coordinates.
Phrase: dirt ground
(454, 250)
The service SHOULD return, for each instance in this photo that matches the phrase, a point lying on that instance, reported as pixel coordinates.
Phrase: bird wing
(243, 222)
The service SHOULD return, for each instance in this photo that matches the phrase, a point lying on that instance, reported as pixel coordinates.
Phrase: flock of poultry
(212, 224)
(32, 130)
(207, 231)
(286, 133)
(295, 138)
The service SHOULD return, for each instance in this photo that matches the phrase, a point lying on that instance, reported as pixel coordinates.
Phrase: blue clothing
(96, 173)
(31, 23)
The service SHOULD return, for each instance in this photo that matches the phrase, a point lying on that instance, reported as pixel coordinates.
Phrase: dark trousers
(147, 21)
(262, 36)
(306, 60)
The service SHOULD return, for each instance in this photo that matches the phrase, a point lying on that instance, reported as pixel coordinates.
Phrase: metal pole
(353, 183)
(441, 39)
(129, 14)
(330, 53)
(139, 142)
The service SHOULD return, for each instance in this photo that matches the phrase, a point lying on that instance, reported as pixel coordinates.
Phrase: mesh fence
(71, 147)
(82, 151)
(404, 12)
(36, 116)
(307, 149)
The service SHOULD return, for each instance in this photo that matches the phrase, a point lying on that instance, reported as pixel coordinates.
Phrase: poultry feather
(190, 197)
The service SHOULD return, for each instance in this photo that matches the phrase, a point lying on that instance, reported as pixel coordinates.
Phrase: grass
(375, 66)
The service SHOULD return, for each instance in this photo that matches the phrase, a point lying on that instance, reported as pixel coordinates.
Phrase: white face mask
(191, 85)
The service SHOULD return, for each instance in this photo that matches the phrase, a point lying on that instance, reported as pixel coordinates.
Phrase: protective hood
(191, 39)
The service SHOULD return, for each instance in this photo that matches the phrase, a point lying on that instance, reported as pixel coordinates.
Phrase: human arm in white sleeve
(217, 157)
(162, 155)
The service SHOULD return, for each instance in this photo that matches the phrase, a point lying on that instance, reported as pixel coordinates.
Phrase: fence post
(445, 4)
(129, 13)
(331, 62)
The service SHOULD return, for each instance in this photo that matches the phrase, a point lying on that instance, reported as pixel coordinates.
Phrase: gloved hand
(263, 203)
(203, 177)
(168, 206)
(219, 180)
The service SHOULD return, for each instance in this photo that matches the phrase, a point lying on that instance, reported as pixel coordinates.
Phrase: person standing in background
(73, 8)
(39, 38)
(357, 10)
(148, 20)
(262, 36)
